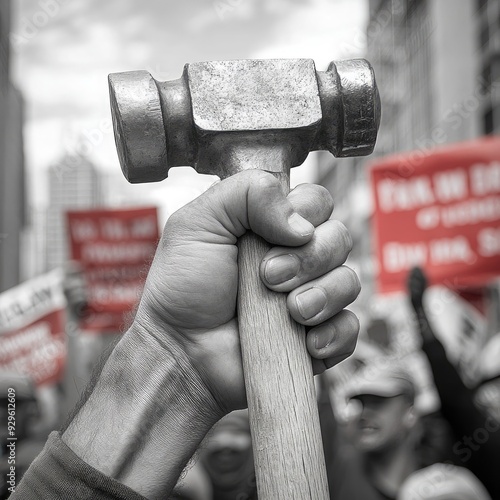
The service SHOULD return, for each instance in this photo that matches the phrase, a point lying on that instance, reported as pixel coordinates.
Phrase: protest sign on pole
(32, 322)
(440, 210)
(115, 248)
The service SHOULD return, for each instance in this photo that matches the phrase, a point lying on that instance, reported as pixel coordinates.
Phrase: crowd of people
(389, 449)
(385, 449)
(164, 415)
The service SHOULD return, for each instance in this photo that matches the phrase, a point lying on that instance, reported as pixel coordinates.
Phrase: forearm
(456, 398)
(145, 417)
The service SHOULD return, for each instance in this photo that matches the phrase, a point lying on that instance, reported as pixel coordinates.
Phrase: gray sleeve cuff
(57, 473)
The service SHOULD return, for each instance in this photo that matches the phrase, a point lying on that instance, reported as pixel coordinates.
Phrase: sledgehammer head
(218, 112)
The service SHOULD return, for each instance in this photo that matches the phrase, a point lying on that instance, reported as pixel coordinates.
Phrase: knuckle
(344, 235)
(265, 179)
(176, 227)
(255, 173)
(354, 283)
(353, 323)
(351, 328)
(324, 253)
(324, 195)
(174, 222)
(264, 186)
(255, 178)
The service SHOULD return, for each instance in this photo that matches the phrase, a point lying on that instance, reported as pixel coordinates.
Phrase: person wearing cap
(476, 429)
(382, 436)
(223, 468)
(228, 458)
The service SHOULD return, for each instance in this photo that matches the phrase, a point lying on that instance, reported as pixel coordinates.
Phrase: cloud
(62, 69)
(319, 29)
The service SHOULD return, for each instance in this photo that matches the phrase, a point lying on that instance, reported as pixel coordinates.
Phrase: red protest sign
(439, 210)
(32, 322)
(115, 248)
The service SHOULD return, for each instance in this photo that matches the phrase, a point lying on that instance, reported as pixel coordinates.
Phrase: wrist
(163, 365)
(145, 417)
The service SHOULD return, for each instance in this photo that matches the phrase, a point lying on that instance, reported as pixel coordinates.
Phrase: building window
(495, 69)
(488, 121)
(486, 78)
(485, 34)
(481, 4)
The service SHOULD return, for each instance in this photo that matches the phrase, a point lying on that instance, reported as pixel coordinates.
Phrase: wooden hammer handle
(286, 434)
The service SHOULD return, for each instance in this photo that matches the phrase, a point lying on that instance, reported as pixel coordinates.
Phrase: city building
(74, 183)
(437, 65)
(488, 27)
(13, 218)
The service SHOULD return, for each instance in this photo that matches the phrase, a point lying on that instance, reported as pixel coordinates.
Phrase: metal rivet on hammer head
(138, 124)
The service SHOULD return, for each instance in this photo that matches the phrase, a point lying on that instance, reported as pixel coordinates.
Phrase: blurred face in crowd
(227, 455)
(382, 422)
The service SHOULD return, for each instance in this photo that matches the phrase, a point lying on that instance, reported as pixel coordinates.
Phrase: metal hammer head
(219, 115)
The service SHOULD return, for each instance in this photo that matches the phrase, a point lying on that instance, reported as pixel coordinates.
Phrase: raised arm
(178, 369)
(456, 398)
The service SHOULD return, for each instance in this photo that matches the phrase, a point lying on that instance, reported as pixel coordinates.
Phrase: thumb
(252, 199)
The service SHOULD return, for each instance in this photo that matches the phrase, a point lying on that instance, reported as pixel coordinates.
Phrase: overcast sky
(63, 51)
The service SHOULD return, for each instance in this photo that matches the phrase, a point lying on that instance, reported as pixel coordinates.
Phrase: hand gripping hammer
(222, 117)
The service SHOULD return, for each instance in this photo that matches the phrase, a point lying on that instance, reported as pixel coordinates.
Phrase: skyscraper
(488, 27)
(437, 65)
(12, 189)
(426, 57)
(74, 183)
